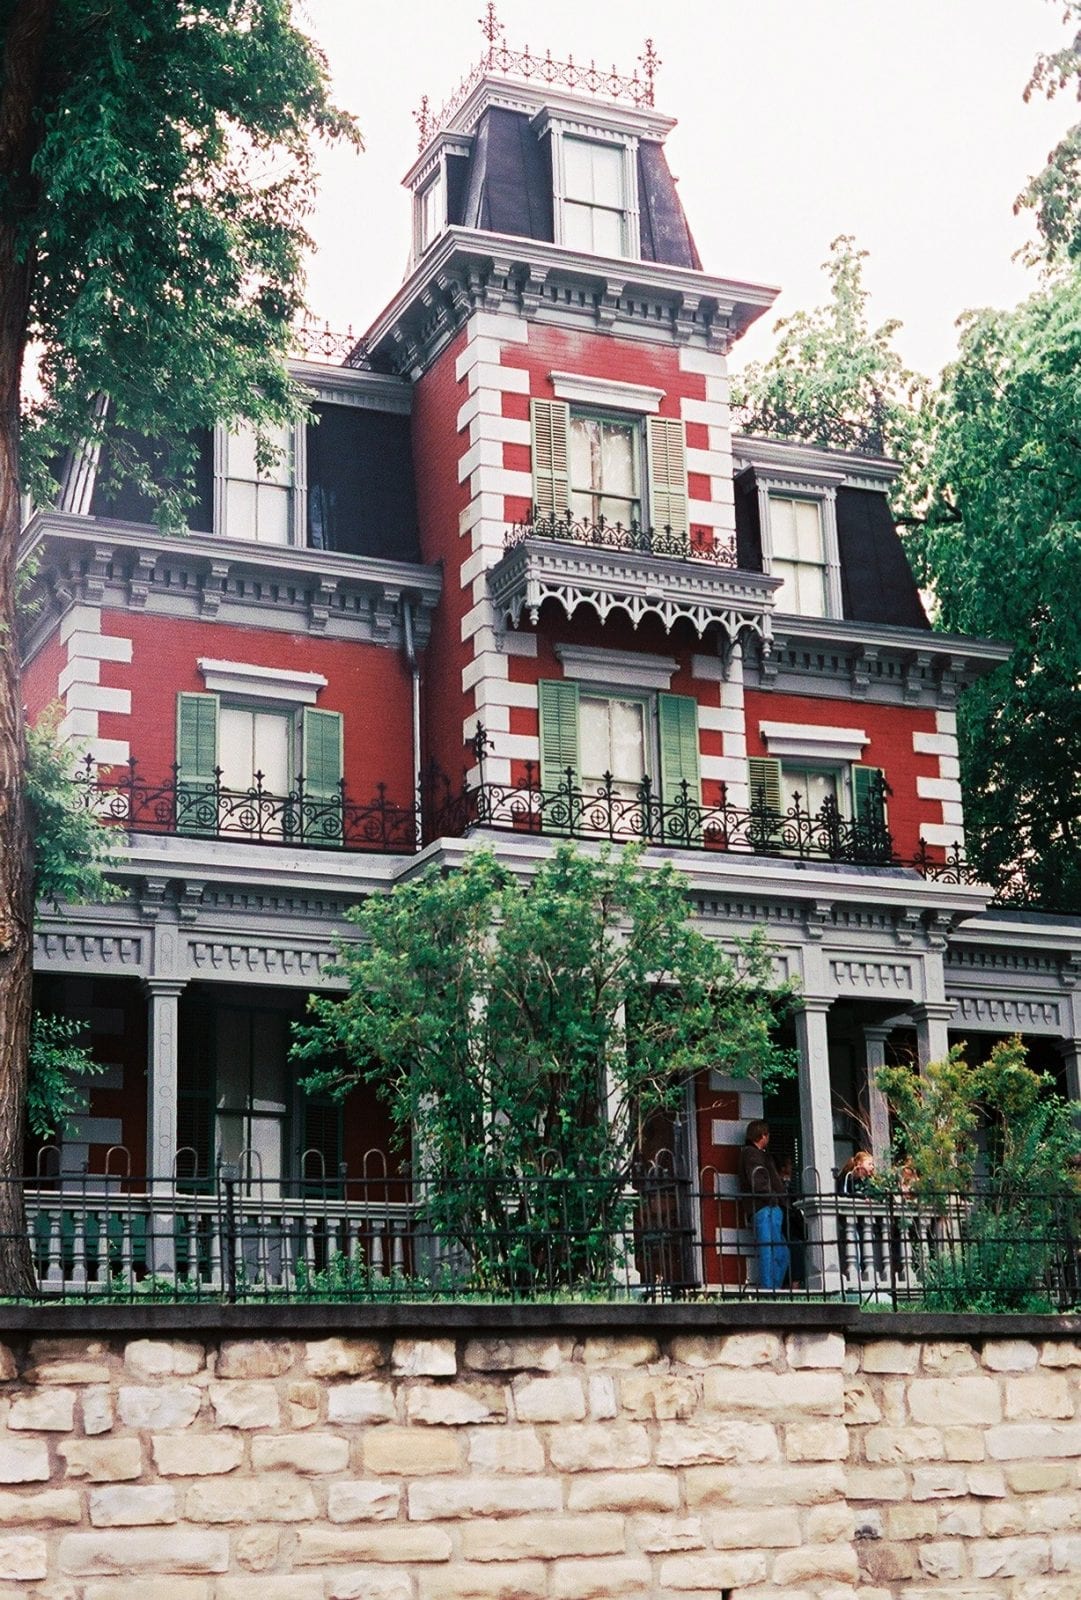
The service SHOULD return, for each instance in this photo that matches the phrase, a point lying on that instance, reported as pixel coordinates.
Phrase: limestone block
(160, 1358)
(457, 1405)
(620, 1352)
(664, 1395)
(23, 1460)
(599, 1580)
(942, 1559)
(342, 1358)
(948, 1358)
(938, 1483)
(360, 1402)
(312, 1453)
(44, 1505)
(196, 1455)
(271, 1497)
(386, 1542)
(915, 1522)
(877, 1483)
(661, 1535)
(943, 1402)
(1003, 1519)
(1038, 1395)
(560, 1399)
(986, 1483)
(737, 1350)
(174, 1405)
(439, 1499)
(72, 1370)
(963, 1444)
(370, 1583)
(958, 1519)
(367, 1500)
(1015, 1440)
(1010, 1355)
(257, 1548)
(890, 1355)
(888, 1563)
(624, 1491)
(818, 1394)
(132, 1505)
(764, 1486)
(816, 1441)
(892, 1396)
(98, 1410)
(103, 1460)
(9, 1367)
(292, 1587)
(528, 1538)
(1009, 1558)
(241, 1404)
(1038, 1477)
(183, 1550)
(815, 1349)
(1066, 1554)
(601, 1400)
(149, 1589)
(868, 1523)
(1051, 1588)
(424, 1358)
(826, 1523)
(512, 1580)
(255, 1358)
(599, 1447)
(1061, 1353)
(771, 1528)
(681, 1444)
(48, 1411)
(303, 1401)
(411, 1452)
(887, 1445)
(516, 1355)
(23, 1557)
(711, 1572)
(861, 1407)
(813, 1562)
(506, 1450)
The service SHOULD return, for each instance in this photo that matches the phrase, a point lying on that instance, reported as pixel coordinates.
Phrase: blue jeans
(772, 1249)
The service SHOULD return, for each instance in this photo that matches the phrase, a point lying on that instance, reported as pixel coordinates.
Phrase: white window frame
(298, 490)
(422, 241)
(772, 485)
(634, 422)
(560, 128)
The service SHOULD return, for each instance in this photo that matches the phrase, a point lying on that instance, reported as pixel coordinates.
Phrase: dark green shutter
(558, 731)
(764, 776)
(678, 715)
(667, 476)
(321, 1147)
(869, 809)
(197, 760)
(551, 476)
(321, 762)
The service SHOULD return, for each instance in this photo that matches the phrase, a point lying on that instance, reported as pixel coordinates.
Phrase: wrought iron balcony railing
(697, 545)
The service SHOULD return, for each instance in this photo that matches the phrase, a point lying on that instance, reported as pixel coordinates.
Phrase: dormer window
(594, 197)
(431, 210)
(798, 555)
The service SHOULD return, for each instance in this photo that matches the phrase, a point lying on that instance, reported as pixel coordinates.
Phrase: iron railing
(236, 1236)
(696, 545)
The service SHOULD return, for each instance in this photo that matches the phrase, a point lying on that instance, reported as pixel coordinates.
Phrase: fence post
(229, 1177)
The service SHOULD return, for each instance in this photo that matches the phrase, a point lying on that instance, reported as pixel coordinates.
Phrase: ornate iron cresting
(698, 545)
(313, 343)
(498, 59)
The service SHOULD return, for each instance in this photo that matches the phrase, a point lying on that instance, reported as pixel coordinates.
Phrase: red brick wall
(40, 678)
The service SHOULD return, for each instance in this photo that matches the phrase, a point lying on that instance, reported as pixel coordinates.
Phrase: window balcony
(640, 571)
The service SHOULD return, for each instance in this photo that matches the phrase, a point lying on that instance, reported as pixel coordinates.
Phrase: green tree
(523, 1035)
(155, 172)
(1054, 194)
(833, 380)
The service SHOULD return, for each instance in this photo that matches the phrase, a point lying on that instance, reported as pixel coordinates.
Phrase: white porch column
(878, 1111)
(816, 1127)
(932, 1030)
(164, 995)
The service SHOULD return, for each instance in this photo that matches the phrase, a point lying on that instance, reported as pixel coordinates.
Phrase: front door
(252, 1098)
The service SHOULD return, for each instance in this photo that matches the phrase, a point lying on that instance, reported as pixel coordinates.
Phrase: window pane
(594, 172)
(612, 738)
(782, 528)
(240, 452)
(814, 785)
(577, 226)
(808, 519)
(585, 453)
(617, 459)
(628, 741)
(593, 735)
(270, 749)
(607, 233)
(236, 747)
(273, 506)
(240, 510)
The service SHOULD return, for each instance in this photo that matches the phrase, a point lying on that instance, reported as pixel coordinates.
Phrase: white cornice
(642, 122)
(261, 683)
(628, 669)
(353, 386)
(791, 456)
(795, 740)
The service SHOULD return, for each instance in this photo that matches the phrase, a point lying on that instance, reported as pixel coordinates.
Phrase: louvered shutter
(678, 717)
(667, 476)
(551, 478)
(558, 731)
(764, 776)
(197, 759)
(321, 763)
(869, 808)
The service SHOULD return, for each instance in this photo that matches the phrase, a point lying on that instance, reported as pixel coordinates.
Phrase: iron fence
(696, 545)
(233, 1236)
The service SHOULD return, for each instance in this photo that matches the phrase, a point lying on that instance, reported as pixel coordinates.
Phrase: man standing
(765, 1192)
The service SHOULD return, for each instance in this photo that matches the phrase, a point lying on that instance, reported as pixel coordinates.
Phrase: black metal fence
(660, 1236)
(698, 544)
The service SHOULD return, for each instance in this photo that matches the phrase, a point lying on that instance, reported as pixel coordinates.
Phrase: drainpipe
(414, 665)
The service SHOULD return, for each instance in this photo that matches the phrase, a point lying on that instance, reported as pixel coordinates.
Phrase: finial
(649, 62)
(423, 119)
(491, 28)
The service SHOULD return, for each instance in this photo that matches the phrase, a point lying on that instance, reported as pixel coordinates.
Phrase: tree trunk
(22, 65)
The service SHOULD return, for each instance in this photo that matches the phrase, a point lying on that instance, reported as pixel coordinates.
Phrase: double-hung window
(798, 555)
(258, 497)
(605, 469)
(594, 197)
(589, 465)
(854, 792)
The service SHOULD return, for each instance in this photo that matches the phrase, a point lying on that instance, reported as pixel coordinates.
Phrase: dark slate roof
(666, 236)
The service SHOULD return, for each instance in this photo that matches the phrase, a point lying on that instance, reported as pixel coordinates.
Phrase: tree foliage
(1054, 194)
(833, 380)
(526, 1033)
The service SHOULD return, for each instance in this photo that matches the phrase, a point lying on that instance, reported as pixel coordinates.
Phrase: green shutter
(197, 760)
(551, 478)
(321, 763)
(667, 476)
(869, 808)
(558, 731)
(764, 777)
(678, 715)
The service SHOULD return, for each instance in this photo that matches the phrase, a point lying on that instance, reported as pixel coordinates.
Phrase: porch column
(932, 1030)
(164, 995)
(816, 1127)
(878, 1111)
(1070, 1051)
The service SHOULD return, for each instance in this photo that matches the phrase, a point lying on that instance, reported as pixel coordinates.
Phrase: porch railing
(658, 1236)
(638, 538)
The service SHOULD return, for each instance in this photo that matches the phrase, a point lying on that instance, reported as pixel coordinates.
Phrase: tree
(1054, 194)
(833, 380)
(155, 171)
(523, 1035)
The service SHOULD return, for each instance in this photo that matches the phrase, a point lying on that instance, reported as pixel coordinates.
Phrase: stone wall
(558, 1463)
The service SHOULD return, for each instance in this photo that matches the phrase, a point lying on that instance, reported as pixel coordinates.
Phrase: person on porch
(766, 1194)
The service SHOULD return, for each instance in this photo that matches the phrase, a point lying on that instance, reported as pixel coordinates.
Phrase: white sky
(900, 121)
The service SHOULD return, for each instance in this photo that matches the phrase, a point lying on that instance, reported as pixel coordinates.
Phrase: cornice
(354, 386)
(132, 567)
(848, 467)
(641, 122)
(468, 270)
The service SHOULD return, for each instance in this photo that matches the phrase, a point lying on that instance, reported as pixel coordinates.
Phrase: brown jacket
(760, 1181)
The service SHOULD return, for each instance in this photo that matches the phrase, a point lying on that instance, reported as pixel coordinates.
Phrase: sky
(899, 121)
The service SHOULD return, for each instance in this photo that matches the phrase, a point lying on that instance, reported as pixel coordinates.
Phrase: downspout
(414, 665)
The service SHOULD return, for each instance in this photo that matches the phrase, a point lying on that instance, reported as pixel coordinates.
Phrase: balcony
(638, 571)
